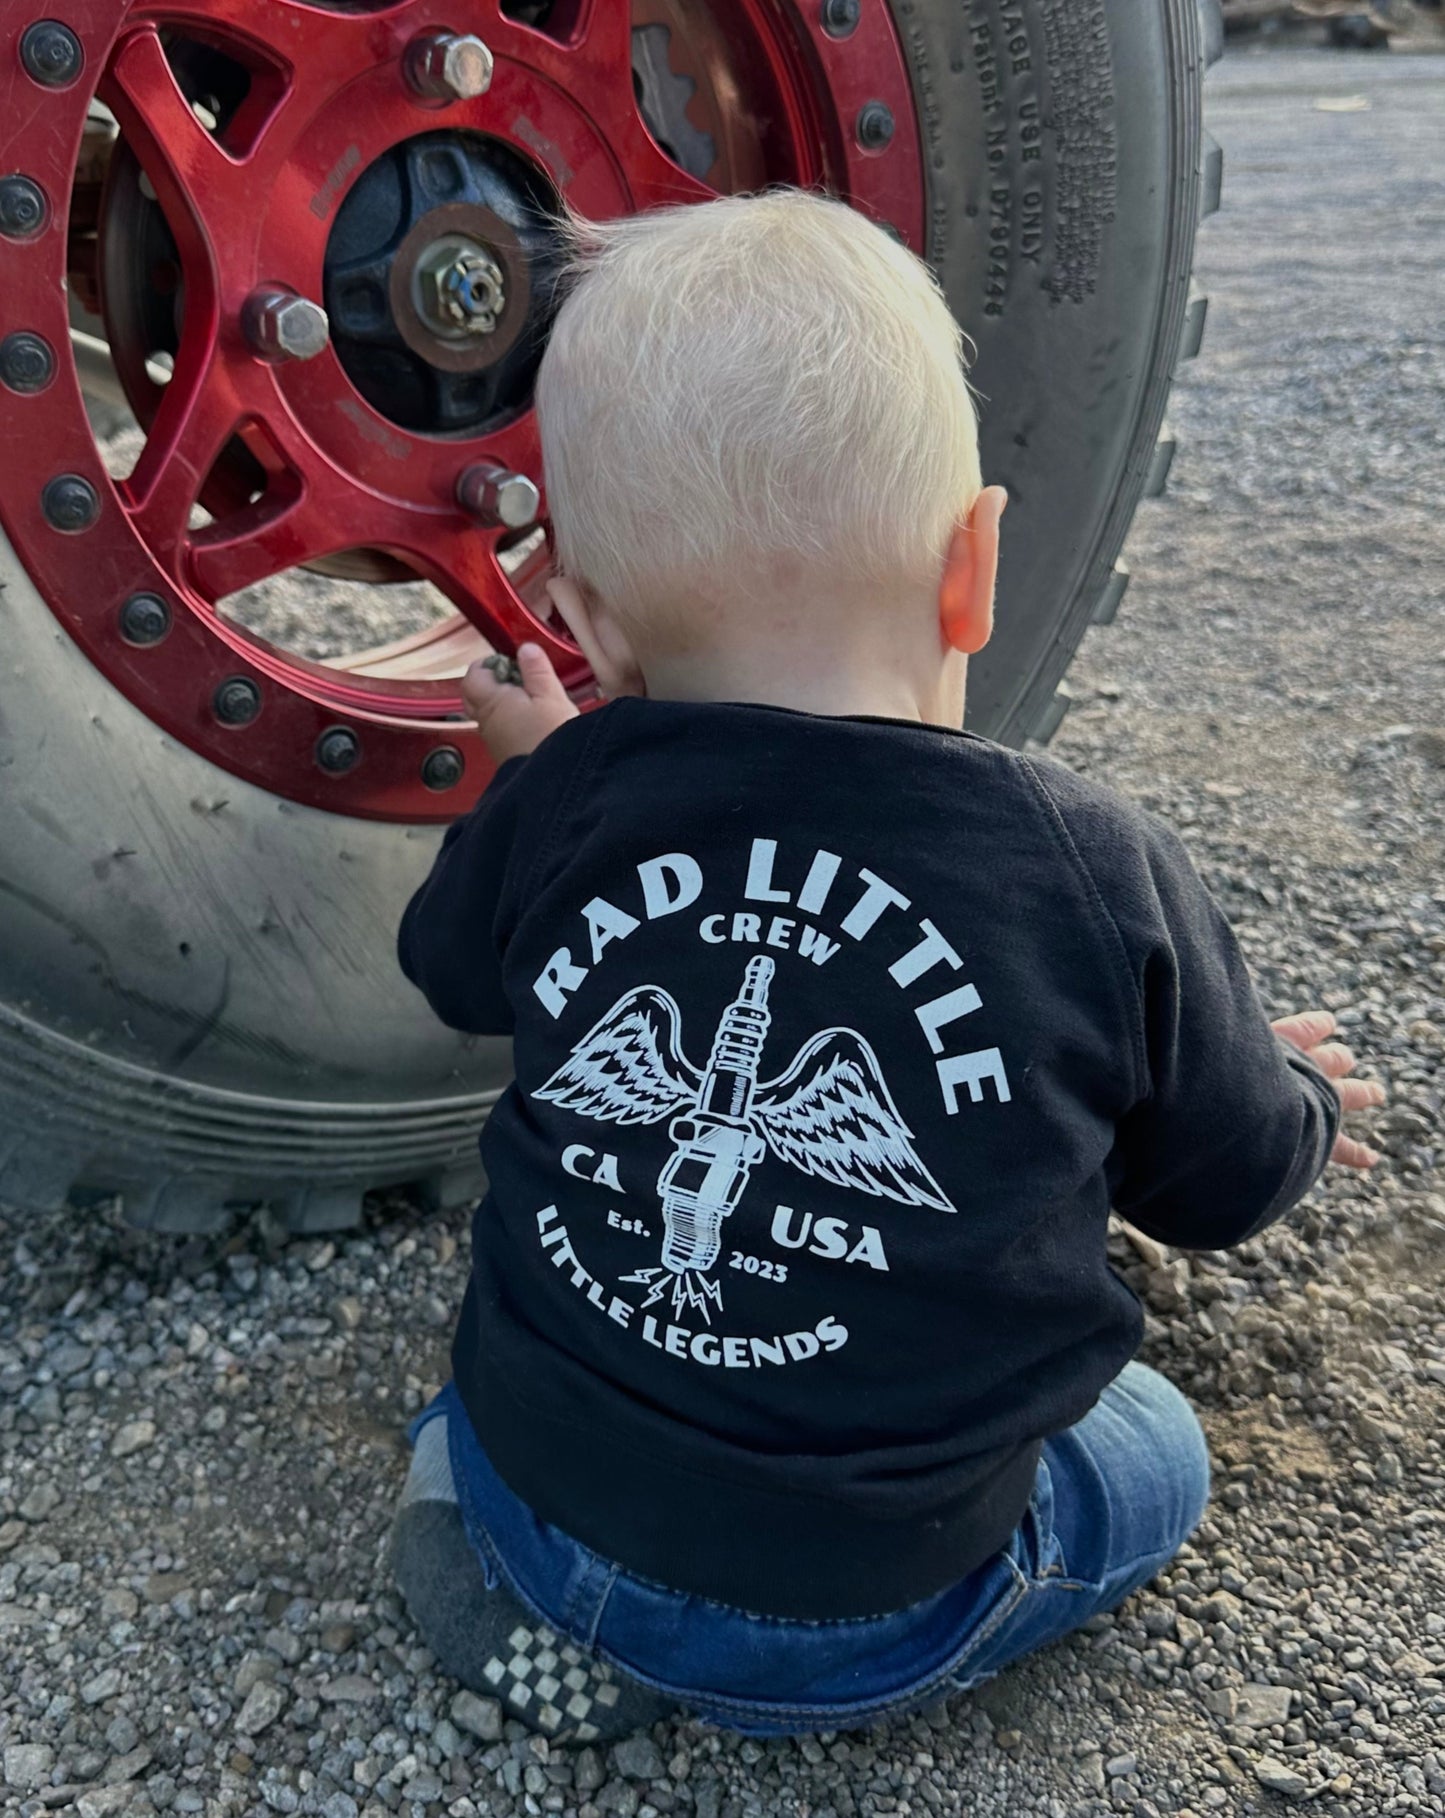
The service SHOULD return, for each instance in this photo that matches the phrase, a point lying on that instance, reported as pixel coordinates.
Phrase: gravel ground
(200, 1442)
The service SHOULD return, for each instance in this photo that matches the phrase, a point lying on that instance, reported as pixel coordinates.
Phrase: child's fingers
(539, 678)
(1360, 1094)
(1350, 1154)
(1333, 1059)
(1307, 1029)
(480, 689)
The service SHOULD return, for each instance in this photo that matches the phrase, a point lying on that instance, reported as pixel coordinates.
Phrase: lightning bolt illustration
(687, 1289)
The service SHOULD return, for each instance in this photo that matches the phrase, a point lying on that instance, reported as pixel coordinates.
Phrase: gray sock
(485, 1636)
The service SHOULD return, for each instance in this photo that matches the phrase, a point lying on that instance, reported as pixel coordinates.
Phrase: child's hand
(1309, 1031)
(515, 717)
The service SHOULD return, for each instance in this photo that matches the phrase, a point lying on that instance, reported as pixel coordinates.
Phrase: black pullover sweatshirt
(835, 1042)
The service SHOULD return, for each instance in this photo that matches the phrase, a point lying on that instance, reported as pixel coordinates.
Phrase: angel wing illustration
(629, 1068)
(831, 1114)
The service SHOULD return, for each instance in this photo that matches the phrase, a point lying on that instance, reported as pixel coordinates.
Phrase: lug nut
(282, 326)
(237, 701)
(875, 125)
(443, 768)
(840, 17)
(51, 53)
(22, 208)
(449, 66)
(495, 496)
(338, 750)
(463, 289)
(70, 503)
(145, 619)
(27, 362)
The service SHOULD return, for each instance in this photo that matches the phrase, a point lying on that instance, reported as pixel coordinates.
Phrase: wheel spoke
(602, 43)
(185, 165)
(319, 48)
(267, 538)
(653, 178)
(198, 413)
(599, 59)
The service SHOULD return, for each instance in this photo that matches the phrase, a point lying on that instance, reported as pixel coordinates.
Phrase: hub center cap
(460, 287)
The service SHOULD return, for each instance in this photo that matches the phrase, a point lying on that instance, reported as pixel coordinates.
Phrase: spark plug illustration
(705, 1175)
(829, 1115)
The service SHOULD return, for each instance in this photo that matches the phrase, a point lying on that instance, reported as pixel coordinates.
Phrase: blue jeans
(1115, 1498)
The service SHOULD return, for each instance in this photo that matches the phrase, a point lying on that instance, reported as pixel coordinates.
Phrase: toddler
(792, 1385)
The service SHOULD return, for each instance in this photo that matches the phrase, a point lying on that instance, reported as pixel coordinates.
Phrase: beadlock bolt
(875, 125)
(51, 53)
(22, 208)
(495, 496)
(443, 768)
(840, 17)
(237, 701)
(145, 619)
(70, 503)
(27, 362)
(282, 326)
(338, 750)
(448, 66)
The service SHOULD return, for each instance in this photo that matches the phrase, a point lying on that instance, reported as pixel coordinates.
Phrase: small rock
(423, 1787)
(1258, 1706)
(446, 1738)
(639, 1758)
(104, 1685)
(27, 1764)
(347, 1312)
(105, 1801)
(127, 1767)
(479, 1717)
(588, 1772)
(263, 1706)
(254, 1668)
(11, 1534)
(133, 1437)
(119, 1604)
(38, 1504)
(1121, 1765)
(162, 1586)
(356, 1688)
(121, 1735)
(1279, 1777)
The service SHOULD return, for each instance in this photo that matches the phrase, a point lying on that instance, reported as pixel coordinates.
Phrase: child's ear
(599, 637)
(970, 569)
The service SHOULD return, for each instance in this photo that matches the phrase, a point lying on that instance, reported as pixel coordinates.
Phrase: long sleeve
(449, 944)
(1235, 1126)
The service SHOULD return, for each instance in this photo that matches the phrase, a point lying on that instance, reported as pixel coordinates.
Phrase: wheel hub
(460, 287)
(278, 158)
(436, 276)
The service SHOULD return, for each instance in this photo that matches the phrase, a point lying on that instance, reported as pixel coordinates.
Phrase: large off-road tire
(199, 1004)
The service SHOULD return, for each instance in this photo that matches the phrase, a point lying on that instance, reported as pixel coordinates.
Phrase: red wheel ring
(327, 97)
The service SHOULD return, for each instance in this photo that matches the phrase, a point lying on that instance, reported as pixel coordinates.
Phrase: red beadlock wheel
(310, 244)
(257, 125)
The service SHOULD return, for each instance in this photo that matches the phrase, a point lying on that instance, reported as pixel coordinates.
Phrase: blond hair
(751, 379)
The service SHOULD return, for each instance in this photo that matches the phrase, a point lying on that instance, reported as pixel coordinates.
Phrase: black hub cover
(423, 190)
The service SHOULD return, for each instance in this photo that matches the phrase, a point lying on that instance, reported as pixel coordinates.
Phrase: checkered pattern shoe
(553, 1686)
(486, 1637)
